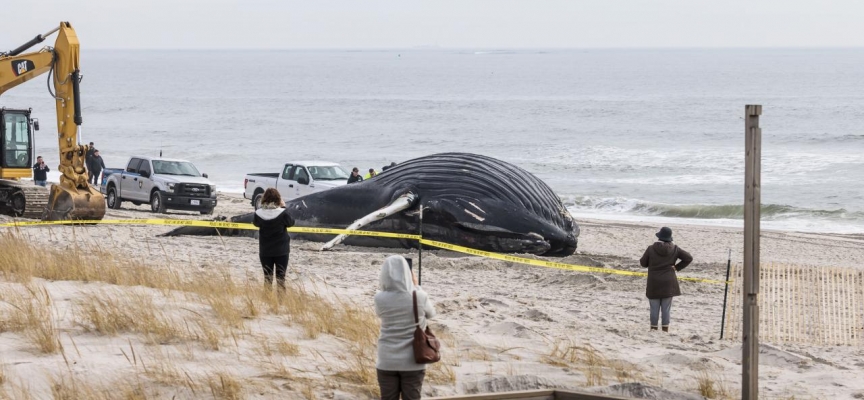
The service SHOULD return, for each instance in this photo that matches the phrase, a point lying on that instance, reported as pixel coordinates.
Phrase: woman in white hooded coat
(398, 373)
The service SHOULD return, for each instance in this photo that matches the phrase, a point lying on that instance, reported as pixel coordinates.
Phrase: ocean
(633, 135)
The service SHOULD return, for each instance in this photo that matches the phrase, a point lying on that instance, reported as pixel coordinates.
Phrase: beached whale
(467, 199)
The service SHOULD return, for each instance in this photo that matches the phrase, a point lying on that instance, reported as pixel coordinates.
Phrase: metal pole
(725, 294)
(420, 250)
(752, 202)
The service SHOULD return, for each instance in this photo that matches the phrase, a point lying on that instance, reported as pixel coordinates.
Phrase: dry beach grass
(132, 315)
(162, 307)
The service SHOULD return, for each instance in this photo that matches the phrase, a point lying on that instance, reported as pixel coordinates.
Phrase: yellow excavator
(73, 197)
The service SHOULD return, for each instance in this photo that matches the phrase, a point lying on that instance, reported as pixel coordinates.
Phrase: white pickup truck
(297, 179)
(164, 183)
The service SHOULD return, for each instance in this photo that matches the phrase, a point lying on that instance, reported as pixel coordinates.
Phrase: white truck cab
(297, 179)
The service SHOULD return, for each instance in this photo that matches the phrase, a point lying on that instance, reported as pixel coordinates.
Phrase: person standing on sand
(398, 373)
(274, 244)
(40, 172)
(660, 258)
(95, 167)
(87, 157)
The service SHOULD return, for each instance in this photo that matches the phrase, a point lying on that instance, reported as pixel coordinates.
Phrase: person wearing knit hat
(663, 260)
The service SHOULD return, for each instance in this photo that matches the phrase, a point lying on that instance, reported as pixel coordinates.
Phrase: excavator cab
(16, 162)
(16, 139)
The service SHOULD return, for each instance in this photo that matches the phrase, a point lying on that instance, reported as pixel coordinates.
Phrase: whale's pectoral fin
(401, 203)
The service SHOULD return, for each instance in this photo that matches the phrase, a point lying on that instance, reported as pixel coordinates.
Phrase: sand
(502, 321)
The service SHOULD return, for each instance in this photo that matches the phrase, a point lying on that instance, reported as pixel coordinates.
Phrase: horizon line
(477, 48)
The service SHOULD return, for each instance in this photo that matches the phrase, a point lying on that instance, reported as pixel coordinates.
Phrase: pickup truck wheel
(207, 212)
(256, 201)
(157, 203)
(112, 199)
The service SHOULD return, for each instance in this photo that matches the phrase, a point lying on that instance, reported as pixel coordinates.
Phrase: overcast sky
(256, 24)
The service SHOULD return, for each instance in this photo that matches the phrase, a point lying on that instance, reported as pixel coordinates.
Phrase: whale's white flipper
(401, 203)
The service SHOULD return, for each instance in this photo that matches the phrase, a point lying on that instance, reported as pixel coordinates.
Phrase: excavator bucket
(65, 203)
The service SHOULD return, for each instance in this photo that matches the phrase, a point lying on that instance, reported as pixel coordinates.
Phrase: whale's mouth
(495, 239)
(563, 248)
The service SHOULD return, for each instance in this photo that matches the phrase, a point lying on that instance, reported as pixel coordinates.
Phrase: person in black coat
(95, 167)
(355, 176)
(664, 260)
(88, 156)
(274, 244)
(40, 172)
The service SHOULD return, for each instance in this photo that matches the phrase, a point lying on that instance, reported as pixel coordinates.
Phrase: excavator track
(35, 199)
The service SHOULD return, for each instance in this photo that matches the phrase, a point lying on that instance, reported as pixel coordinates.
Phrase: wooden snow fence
(812, 305)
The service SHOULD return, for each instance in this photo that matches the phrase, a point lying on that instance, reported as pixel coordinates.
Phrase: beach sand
(505, 326)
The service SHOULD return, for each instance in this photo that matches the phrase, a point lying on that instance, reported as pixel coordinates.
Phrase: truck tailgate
(105, 174)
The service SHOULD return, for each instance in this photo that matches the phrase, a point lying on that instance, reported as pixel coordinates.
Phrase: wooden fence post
(752, 203)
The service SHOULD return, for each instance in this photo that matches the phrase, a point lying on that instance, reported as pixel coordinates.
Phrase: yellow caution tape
(174, 222)
(328, 231)
(549, 264)
(210, 224)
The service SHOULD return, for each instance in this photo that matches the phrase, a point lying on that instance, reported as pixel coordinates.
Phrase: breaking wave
(702, 211)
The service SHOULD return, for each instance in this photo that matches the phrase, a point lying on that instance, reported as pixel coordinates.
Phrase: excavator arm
(19, 69)
(73, 197)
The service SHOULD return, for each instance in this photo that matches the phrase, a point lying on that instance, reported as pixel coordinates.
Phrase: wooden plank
(731, 331)
(823, 321)
(534, 395)
(799, 311)
(832, 311)
(567, 395)
(787, 304)
(844, 304)
(518, 395)
(752, 202)
(853, 332)
(859, 312)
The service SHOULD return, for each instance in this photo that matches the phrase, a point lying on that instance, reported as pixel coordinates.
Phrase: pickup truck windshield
(174, 168)
(334, 173)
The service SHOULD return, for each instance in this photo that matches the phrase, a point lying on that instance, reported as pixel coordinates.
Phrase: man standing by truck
(95, 167)
(355, 176)
(87, 159)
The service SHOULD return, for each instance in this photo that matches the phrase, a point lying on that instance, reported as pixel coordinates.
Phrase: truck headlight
(212, 189)
(171, 187)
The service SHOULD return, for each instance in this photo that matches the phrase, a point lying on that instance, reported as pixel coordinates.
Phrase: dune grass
(225, 386)
(711, 384)
(29, 311)
(594, 365)
(169, 308)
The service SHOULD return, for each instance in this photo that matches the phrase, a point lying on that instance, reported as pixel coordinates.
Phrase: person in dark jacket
(661, 259)
(274, 244)
(90, 150)
(355, 176)
(87, 157)
(40, 172)
(95, 167)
